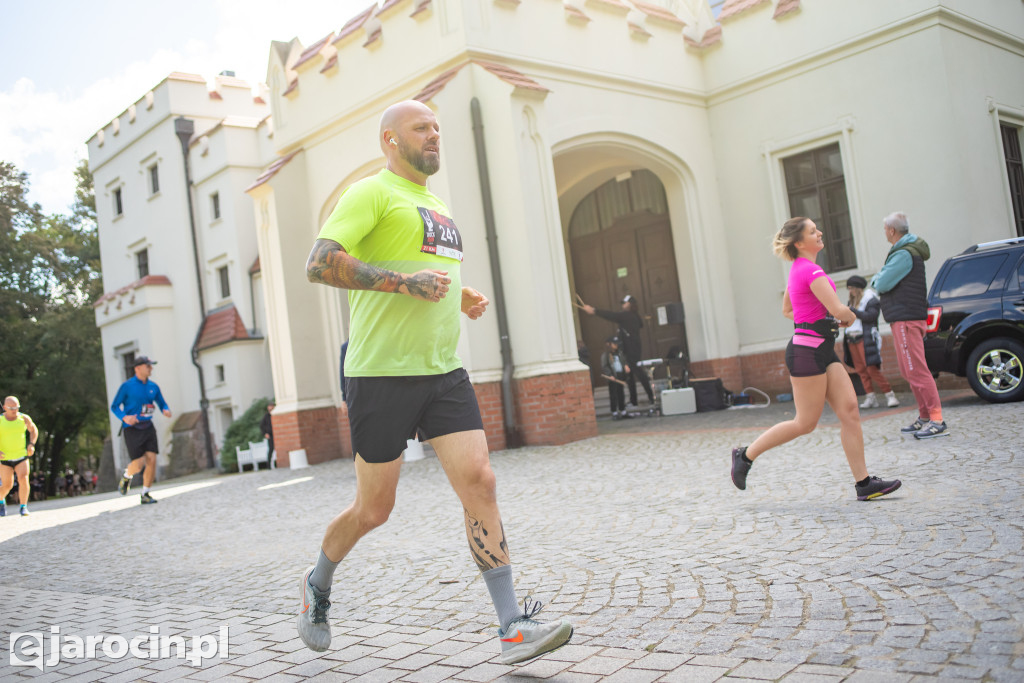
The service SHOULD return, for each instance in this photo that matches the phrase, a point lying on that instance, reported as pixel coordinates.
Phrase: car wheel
(995, 370)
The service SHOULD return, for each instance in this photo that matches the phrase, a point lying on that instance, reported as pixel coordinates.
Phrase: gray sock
(503, 594)
(323, 574)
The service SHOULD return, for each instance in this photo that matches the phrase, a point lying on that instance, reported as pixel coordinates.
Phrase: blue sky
(71, 66)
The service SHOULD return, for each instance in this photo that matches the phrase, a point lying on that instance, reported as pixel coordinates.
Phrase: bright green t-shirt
(393, 223)
(12, 437)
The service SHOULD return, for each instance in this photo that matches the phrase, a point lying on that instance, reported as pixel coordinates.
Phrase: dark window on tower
(128, 361)
(154, 179)
(215, 205)
(118, 206)
(225, 286)
(1015, 172)
(142, 262)
(817, 190)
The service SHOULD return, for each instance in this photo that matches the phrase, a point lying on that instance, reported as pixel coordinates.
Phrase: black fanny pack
(827, 327)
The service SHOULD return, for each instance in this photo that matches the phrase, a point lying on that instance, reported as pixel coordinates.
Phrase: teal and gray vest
(908, 300)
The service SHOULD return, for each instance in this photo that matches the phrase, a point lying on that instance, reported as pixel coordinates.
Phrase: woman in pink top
(815, 372)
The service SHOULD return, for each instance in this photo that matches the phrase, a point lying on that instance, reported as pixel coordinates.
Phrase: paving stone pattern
(638, 536)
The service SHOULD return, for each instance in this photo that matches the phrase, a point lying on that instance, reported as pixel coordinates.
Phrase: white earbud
(392, 141)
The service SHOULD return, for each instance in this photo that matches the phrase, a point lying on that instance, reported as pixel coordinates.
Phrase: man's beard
(418, 161)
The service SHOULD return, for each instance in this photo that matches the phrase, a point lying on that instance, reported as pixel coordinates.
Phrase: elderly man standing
(903, 291)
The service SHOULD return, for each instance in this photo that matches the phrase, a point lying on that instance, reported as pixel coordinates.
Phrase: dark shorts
(13, 463)
(385, 412)
(141, 441)
(807, 361)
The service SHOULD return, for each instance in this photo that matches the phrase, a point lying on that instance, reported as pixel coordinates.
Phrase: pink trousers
(908, 336)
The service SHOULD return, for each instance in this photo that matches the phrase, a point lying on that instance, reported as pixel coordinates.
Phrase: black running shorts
(13, 463)
(385, 412)
(141, 440)
(807, 361)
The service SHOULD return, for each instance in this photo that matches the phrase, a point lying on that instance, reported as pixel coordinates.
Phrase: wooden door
(633, 256)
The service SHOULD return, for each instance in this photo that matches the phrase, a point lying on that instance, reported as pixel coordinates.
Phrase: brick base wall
(555, 409)
(323, 432)
(767, 371)
(488, 396)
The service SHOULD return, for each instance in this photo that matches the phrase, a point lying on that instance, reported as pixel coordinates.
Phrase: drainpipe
(252, 300)
(512, 436)
(184, 128)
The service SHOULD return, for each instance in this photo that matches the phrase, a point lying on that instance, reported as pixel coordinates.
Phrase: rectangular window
(154, 180)
(118, 206)
(817, 190)
(142, 262)
(225, 286)
(220, 374)
(128, 363)
(1015, 172)
(215, 205)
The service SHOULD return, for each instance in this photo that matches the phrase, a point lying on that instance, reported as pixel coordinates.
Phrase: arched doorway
(620, 239)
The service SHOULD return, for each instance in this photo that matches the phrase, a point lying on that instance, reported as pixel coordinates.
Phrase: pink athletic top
(806, 307)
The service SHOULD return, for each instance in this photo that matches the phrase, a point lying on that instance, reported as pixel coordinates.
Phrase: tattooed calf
(478, 544)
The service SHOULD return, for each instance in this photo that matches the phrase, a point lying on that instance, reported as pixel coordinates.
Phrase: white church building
(156, 272)
(644, 148)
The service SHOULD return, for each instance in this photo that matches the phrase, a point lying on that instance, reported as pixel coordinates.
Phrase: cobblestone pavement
(638, 536)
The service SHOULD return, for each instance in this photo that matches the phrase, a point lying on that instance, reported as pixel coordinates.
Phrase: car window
(1020, 276)
(971, 276)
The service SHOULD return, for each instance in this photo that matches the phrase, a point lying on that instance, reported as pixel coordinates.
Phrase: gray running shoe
(931, 430)
(3, 508)
(122, 486)
(526, 638)
(916, 426)
(740, 468)
(24, 511)
(314, 628)
(147, 499)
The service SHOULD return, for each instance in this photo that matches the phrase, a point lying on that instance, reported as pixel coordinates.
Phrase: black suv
(976, 319)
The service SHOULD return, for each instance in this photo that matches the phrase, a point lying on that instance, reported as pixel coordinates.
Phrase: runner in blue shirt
(134, 405)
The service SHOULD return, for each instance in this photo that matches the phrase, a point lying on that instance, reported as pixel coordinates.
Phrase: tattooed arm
(329, 264)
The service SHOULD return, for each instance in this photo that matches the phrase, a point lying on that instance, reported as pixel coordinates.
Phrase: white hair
(897, 221)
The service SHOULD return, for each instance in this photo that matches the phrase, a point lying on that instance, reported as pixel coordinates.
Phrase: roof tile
(785, 7)
(221, 326)
(659, 13)
(733, 7)
(711, 37)
(141, 282)
(272, 170)
(356, 22)
(312, 51)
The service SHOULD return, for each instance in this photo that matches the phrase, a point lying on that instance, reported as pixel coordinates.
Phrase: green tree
(50, 348)
(241, 432)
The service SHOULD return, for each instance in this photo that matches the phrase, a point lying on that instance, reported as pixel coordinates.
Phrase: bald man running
(15, 452)
(394, 246)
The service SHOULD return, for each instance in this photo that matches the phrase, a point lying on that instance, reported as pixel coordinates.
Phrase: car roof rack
(993, 245)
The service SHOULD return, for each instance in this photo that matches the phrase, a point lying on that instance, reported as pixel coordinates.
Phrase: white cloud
(43, 129)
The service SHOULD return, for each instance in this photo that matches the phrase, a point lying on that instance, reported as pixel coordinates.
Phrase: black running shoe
(123, 485)
(876, 488)
(914, 427)
(740, 468)
(147, 499)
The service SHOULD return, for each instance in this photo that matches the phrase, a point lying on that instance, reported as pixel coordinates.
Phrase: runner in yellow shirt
(14, 453)
(393, 244)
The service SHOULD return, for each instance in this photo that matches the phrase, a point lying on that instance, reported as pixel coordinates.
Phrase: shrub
(241, 432)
